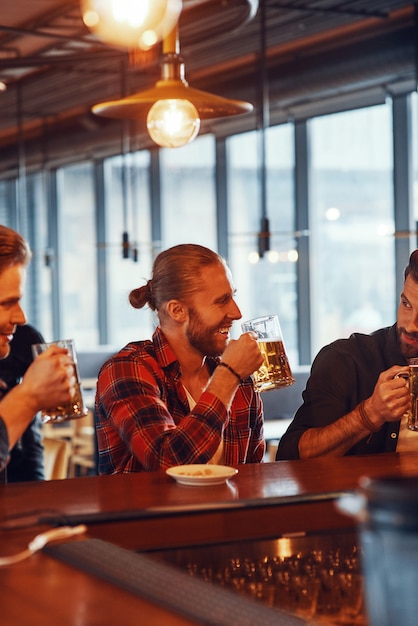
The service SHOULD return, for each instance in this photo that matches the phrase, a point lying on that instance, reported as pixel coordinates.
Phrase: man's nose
(235, 312)
(18, 316)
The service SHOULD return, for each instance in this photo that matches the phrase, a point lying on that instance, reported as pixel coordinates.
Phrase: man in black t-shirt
(27, 456)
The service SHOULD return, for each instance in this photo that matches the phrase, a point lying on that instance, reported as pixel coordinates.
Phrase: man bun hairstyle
(175, 276)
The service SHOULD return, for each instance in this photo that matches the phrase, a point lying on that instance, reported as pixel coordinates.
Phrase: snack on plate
(198, 472)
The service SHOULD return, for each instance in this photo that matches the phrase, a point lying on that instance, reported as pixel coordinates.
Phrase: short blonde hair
(14, 249)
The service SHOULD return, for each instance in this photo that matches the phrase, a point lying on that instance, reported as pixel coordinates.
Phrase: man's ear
(177, 310)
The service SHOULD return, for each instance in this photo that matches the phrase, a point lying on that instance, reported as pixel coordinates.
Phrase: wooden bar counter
(150, 511)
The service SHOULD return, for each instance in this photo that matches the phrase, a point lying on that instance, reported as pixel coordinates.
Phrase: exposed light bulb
(332, 214)
(131, 24)
(253, 258)
(173, 123)
(273, 256)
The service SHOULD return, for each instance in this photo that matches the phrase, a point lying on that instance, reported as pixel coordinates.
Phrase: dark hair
(175, 275)
(14, 250)
(412, 267)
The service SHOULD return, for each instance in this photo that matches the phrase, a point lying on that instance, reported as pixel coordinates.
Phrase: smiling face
(407, 322)
(12, 280)
(212, 311)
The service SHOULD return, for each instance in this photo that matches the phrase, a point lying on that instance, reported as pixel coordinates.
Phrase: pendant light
(131, 24)
(264, 122)
(171, 109)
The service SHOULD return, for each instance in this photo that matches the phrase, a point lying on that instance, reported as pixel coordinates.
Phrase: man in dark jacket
(354, 401)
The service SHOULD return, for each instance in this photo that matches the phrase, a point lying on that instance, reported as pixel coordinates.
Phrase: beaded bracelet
(365, 418)
(228, 367)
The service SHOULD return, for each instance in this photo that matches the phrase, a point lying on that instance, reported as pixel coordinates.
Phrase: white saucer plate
(201, 474)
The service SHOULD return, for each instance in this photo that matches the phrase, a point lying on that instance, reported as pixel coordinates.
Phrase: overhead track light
(172, 110)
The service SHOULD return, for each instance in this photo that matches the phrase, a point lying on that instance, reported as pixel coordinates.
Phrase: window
(351, 230)
(77, 255)
(266, 285)
(32, 222)
(351, 223)
(414, 108)
(38, 292)
(188, 201)
(127, 209)
(5, 202)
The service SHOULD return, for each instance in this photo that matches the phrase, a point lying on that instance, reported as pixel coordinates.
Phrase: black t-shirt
(26, 458)
(4, 449)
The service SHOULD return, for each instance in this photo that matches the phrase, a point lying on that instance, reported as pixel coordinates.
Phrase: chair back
(56, 458)
(83, 447)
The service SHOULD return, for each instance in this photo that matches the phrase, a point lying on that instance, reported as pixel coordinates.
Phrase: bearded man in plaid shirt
(185, 396)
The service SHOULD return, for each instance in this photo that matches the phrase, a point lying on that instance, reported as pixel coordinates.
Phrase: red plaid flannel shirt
(143, 419)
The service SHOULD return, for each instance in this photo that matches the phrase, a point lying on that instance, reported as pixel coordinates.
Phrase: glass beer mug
(76, 407)
(275, 371)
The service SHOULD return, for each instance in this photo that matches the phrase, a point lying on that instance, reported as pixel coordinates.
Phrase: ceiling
(56, 69)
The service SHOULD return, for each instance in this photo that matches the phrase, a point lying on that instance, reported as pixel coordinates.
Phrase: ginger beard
(208, 340)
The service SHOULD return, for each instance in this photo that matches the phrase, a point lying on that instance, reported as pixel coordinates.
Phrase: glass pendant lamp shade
(131, 23)
(173, 123)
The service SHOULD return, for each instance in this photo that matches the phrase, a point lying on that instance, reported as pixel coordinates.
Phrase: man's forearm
(17, 412)
(335, 439)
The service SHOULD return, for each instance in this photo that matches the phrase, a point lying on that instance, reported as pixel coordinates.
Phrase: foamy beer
(275, 371)
(75, 407)
(413, 392)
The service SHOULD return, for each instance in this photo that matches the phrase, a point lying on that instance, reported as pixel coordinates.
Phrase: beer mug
(75, 408)
(413, 392)
(275, 371)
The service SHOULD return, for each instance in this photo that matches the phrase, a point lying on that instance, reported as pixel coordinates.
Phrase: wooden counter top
(142, 503)
(150, 511)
